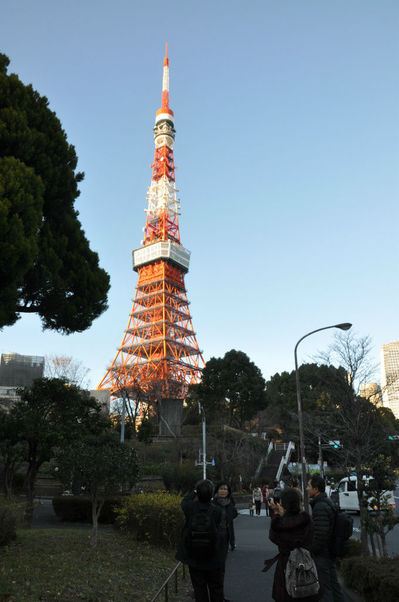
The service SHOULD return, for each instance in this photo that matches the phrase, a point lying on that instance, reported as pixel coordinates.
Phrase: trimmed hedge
(374, 579)
(77, 509)
(8, 523)
(155, 518)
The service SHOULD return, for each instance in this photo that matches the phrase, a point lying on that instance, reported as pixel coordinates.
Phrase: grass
(59, 565)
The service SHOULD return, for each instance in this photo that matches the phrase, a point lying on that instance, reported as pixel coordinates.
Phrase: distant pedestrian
(265, 497)
(257, 499)
(290, 528)
(276, 493)
(323, 516)
(225, 501)
(206, 566)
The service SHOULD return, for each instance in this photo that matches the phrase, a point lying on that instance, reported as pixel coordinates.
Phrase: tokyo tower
(159, 356)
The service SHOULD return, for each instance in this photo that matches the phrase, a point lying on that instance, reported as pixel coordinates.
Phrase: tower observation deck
(159, 356)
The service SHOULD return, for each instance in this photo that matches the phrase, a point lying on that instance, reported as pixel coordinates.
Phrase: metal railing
(165, 586)
(285, 459)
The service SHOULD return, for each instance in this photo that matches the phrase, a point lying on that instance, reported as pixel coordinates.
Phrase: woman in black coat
(289, 528)
(224, 500)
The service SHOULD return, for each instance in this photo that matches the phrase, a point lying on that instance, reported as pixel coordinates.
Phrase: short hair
(218, 485)
(204, 490)
(290, 500)
(318, 482)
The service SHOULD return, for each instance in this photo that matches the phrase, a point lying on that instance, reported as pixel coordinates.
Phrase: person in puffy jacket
(207, 573)
(323, 517)
(289, 528)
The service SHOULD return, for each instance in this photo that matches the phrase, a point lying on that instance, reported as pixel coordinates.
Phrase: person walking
(225, 501)
(206, 566)
(289, 528)
(323, 517)
(257, 499)
(265, 497)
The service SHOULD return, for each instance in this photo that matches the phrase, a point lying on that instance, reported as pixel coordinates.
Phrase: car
(347, 495)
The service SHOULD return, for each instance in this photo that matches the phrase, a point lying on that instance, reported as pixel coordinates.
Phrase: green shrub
(77, 508)
(155, 518)
(375, 579)
(7, 522)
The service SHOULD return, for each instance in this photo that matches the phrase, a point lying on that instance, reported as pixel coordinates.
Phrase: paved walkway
(244, 579)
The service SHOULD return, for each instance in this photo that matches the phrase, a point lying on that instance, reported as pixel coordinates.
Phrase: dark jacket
(289, 532)
(213, 561)
(229, 513)
(323, 516)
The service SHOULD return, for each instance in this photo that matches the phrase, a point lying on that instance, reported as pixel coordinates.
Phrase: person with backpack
(324, 517)
(225, 501)
(291, 530)
(201, 547)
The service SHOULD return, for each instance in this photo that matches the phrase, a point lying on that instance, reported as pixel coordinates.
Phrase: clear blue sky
(287, 152)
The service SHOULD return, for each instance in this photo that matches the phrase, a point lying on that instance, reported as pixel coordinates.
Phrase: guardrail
(165, 586)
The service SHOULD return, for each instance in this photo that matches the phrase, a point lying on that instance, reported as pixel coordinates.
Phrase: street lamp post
(204, 461)
(344, 326)
(123, 416)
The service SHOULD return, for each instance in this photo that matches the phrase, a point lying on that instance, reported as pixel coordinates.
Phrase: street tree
(232, 389)
(102, 465)
(353, 353)
(50, 414)
(383, 518)
(360, 425)
(46, 264)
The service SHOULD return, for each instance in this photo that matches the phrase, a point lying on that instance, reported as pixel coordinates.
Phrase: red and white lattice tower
(159, 355)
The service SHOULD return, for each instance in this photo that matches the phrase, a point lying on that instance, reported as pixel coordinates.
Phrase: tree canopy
(102, 465)
(49, 415)
(46, 264)
(232, 388)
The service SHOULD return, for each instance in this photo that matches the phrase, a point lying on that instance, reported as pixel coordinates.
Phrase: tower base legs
(170, 414)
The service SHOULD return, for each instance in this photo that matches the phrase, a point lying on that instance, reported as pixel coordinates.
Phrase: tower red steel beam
(159, 354)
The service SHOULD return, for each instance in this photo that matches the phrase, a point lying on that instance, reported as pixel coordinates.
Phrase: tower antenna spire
(165, 80)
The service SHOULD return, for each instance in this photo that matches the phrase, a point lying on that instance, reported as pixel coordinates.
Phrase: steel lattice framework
(159, 353)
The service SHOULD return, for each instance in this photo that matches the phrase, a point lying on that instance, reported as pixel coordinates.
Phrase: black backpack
(202, 532)
(343, 529)
(301, 578)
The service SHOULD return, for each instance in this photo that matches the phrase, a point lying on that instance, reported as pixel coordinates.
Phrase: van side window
(351, 485)
(341, 487)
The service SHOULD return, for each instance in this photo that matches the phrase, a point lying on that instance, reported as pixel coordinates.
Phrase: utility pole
(123, 416)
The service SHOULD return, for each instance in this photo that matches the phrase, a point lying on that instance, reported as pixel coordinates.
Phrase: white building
(390, 376)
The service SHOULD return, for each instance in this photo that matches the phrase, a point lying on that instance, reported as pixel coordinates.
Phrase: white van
(347, 494)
